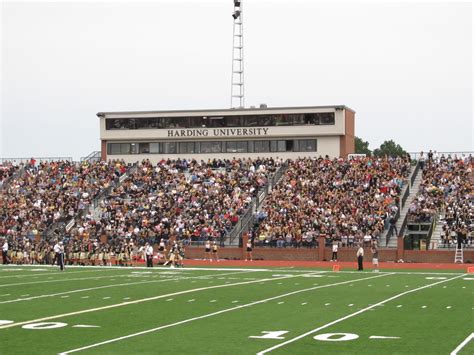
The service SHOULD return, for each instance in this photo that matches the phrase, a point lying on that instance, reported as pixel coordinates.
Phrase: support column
(103, 150)
(322, 246)
(400, 248)
(243, 250)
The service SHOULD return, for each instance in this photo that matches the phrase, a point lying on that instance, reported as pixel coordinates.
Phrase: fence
(415, 156)
(38, 159)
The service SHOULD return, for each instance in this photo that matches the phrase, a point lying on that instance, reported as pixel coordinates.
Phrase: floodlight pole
(237, 83)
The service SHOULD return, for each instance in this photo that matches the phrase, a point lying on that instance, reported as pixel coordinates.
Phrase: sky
(405, 68)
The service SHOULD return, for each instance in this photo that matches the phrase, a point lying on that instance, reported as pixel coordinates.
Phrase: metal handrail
(95, 156)
(415, 173)
(405, 196)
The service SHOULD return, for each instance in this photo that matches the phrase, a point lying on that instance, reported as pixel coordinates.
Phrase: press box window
(236, 147)
(307, 145)
(187, 147)
(261, 146)
(170, 148)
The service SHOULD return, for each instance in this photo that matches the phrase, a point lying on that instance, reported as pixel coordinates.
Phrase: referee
(5, 251)
(149, 255)
(61, 256)
(360, 258)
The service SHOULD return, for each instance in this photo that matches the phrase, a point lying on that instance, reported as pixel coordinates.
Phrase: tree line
(387, 148)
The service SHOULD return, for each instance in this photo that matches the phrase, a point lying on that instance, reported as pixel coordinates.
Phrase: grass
(193, 311)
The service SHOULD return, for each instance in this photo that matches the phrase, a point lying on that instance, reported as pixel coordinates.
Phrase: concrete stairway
(413, 191)
(435, 240)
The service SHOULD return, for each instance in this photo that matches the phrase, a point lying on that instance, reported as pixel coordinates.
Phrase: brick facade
(344, 254)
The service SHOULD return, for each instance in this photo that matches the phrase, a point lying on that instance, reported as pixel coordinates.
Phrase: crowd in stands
(348, 200)
(188, 200)
(7, 170)
(446, 190)
(47, 192)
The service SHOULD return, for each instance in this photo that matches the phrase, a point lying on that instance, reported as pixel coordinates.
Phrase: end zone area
(233, 310)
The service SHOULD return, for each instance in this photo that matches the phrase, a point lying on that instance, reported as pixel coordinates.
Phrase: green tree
(389, 148)
(362, 147)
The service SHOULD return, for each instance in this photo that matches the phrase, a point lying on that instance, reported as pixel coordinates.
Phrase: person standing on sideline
(335, 247)
(360, 258)
(214, 251)
(207, 250)
(5, 252)
(375, 258)
(149, 255)
(249, 250)
(61, 256)
(56, 250)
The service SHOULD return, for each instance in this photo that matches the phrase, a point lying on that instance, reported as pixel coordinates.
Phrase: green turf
(216, 311)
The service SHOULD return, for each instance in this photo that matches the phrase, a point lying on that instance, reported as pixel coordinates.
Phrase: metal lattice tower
(237, 86)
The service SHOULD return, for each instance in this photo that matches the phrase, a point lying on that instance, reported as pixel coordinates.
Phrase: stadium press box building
(284, 132)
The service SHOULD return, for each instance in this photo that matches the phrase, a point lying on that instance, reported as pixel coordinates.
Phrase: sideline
(48, 273)
(353, 315)
(65, 280)
(118, 285)
(219, 312)
(289, 269)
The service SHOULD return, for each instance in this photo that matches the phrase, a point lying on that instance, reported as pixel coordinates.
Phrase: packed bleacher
(350, 201)
(7, 171)
(447, 191)
(47, 192)
(188, 200)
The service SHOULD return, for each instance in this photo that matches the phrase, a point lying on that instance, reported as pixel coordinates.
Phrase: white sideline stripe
(291, 269)
(83, 278)
(62, 280)
(138, 301)
(155, 269)
(353, 314)
(216, 313)
(382, 337)
(48, 274)
(108, 286)
(460, 346)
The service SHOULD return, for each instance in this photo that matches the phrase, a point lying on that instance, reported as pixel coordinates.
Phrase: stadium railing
(38, 159)
(93, 157)
(415, 156)
(415, 173)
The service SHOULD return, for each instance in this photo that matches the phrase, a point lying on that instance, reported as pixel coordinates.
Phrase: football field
(97, 310)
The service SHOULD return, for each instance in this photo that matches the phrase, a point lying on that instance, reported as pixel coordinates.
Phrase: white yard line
(463, 344)
(353, 315)
(115, 285)
(215, 313)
